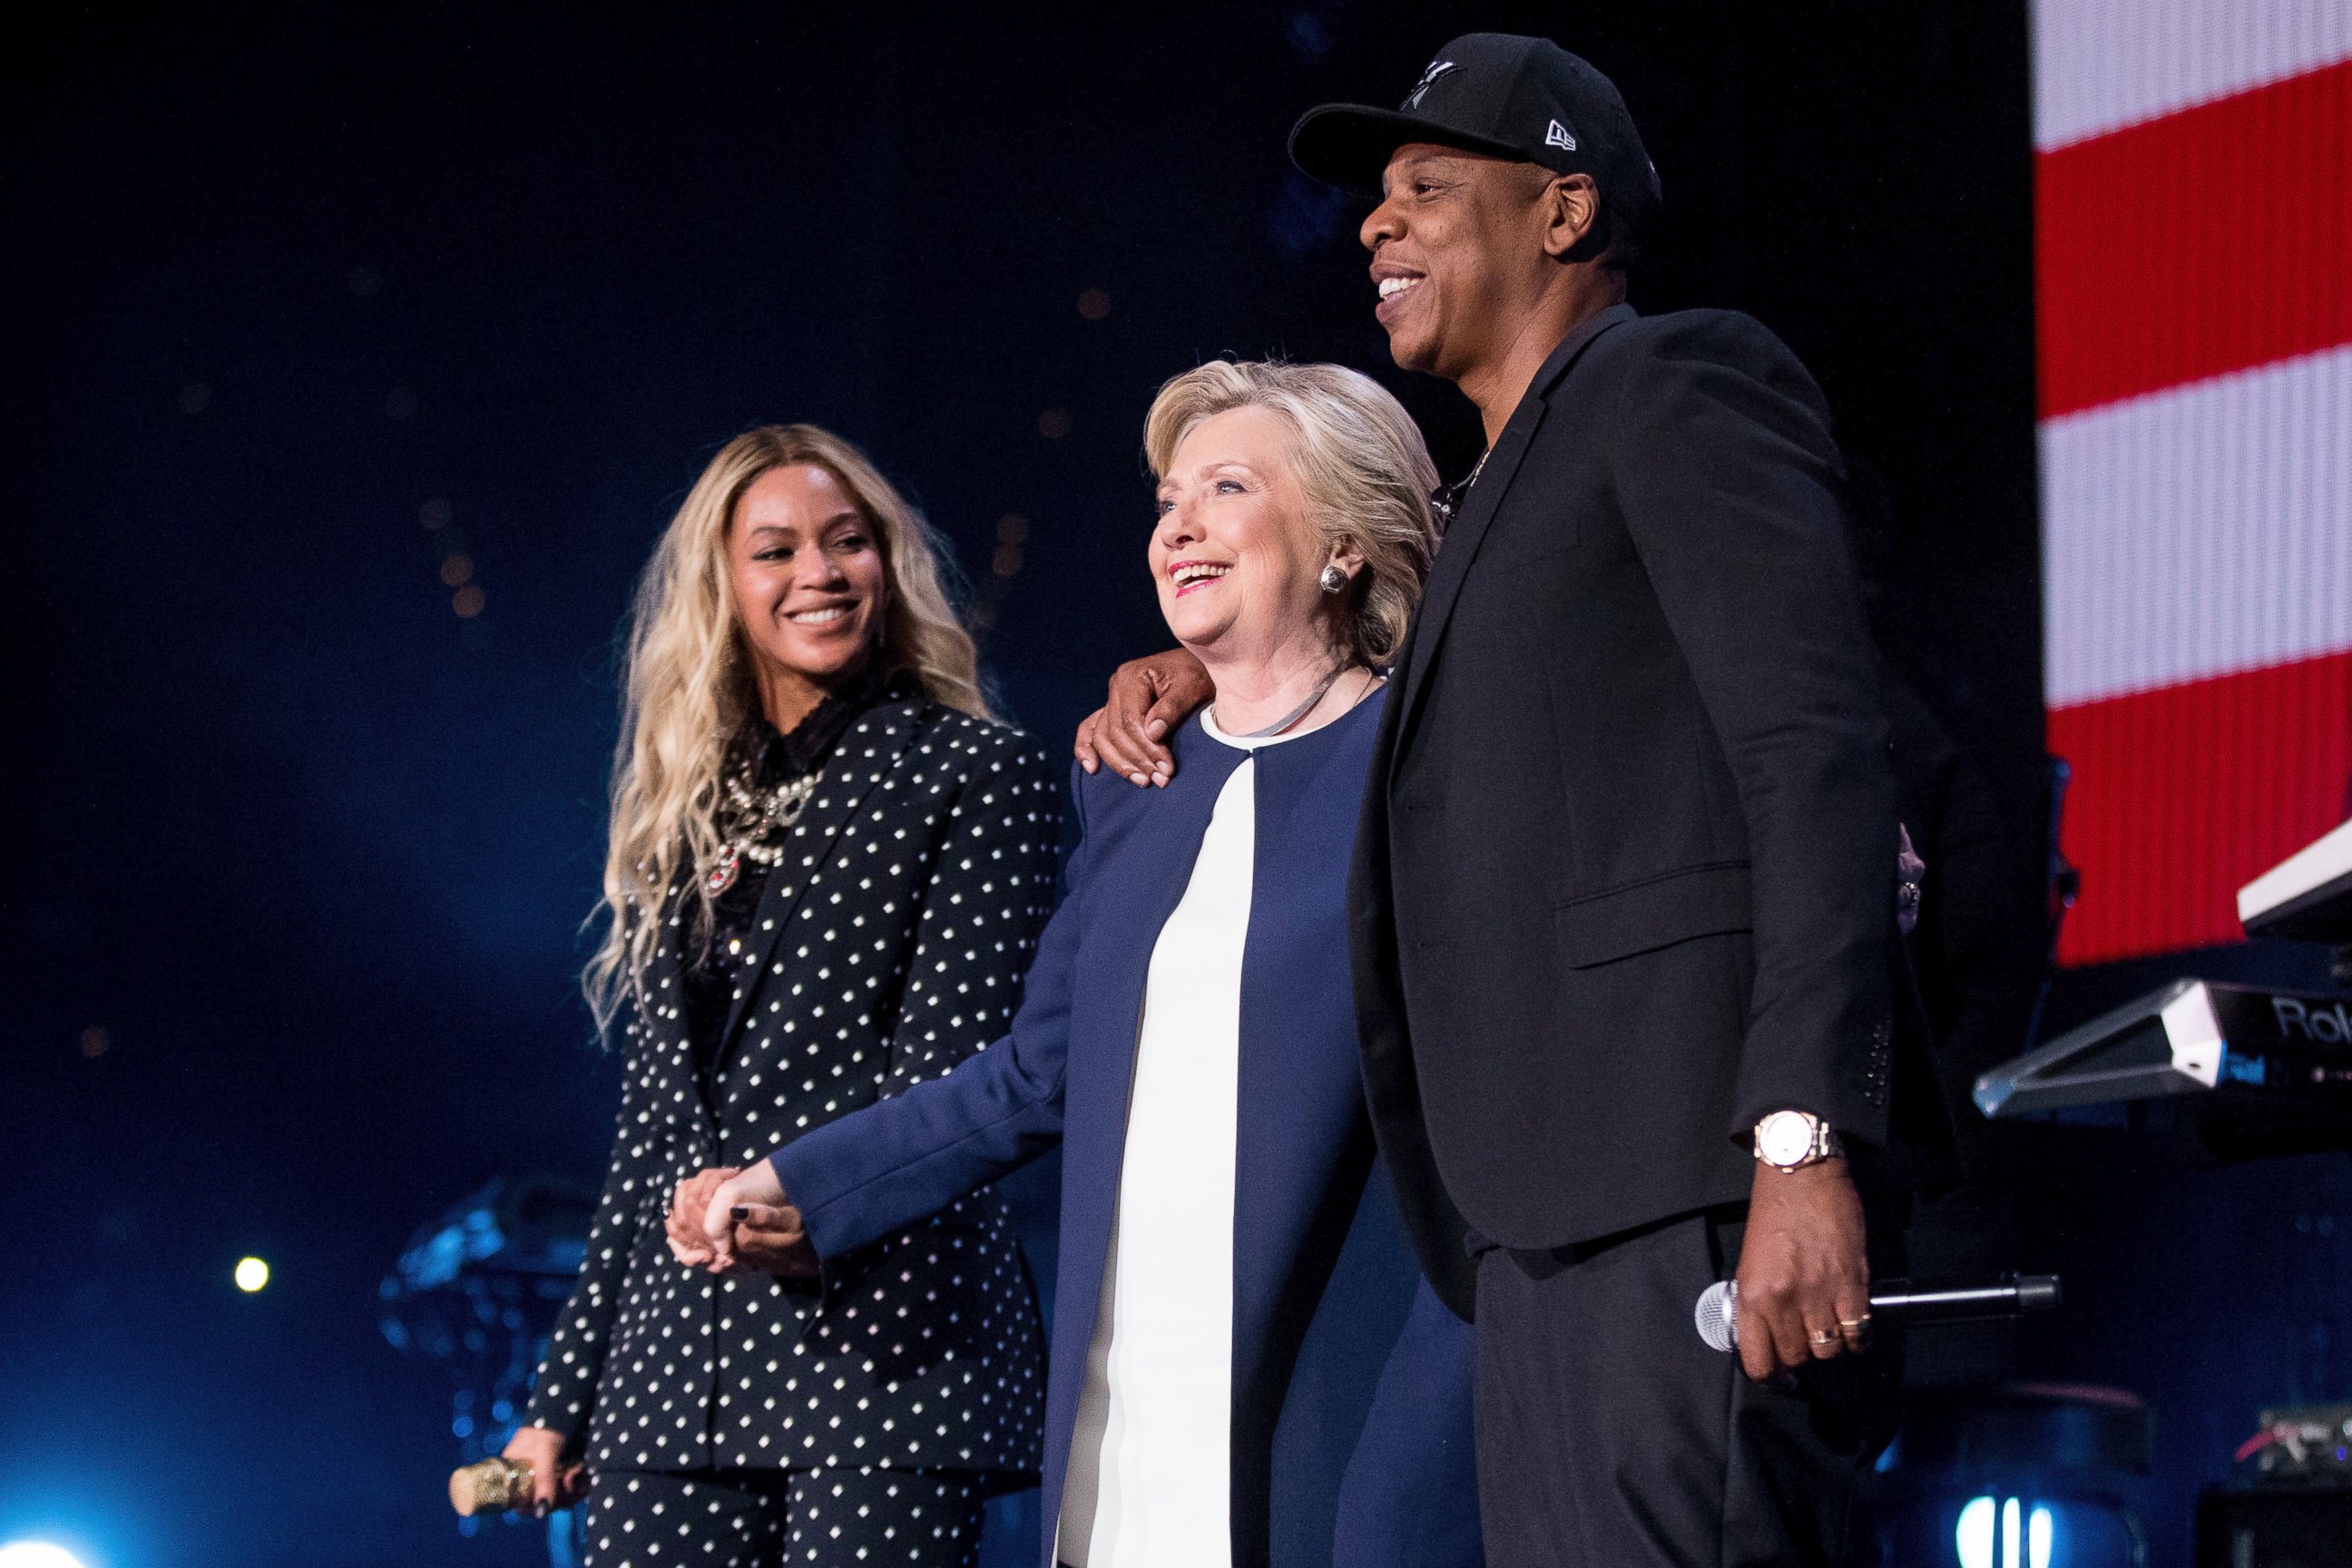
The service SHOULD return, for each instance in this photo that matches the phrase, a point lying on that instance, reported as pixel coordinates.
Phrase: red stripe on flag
(2194, 245)
(2184, 794)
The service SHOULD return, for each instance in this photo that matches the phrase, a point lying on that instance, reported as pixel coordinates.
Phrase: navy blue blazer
(1303, 1142)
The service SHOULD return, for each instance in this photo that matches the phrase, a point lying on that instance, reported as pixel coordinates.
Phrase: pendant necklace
(754, 823)
(1447, 500)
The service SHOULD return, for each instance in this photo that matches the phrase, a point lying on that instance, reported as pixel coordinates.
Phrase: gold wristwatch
(1792, 1140)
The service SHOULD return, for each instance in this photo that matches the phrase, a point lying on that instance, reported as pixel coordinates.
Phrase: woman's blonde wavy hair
(687, 686)
(1359, 456)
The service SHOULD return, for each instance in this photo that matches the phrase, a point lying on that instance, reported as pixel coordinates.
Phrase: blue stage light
(1994, 1533)
(37, 1554)
(1974, 1536)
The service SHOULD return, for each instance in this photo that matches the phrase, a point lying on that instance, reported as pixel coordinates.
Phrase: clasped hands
(730, 1221)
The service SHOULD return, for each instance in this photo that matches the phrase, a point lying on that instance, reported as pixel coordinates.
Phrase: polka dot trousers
(784, 1519)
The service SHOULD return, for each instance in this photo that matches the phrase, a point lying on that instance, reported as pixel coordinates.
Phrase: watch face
(1785, 1137)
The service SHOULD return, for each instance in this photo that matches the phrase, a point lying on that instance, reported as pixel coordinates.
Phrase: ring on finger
(1822, 1337)
(1854, 1325)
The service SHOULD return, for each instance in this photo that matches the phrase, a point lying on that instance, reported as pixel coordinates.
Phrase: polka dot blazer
(896, 931)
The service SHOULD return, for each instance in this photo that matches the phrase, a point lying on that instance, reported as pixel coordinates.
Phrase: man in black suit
(1621, 902)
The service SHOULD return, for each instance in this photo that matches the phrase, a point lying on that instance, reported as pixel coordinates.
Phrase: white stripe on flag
(2198, 530)
(2100, 65)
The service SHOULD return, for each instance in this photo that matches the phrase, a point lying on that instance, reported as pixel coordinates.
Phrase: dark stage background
(303, 305)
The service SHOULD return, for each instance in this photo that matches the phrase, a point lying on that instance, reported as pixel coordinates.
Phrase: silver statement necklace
(1295, 714)
(752, 822)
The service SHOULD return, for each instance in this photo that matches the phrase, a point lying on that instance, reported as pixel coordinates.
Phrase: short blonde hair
(688, 683)
(1356, 453)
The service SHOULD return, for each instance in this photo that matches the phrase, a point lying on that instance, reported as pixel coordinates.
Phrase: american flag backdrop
(2193, 231)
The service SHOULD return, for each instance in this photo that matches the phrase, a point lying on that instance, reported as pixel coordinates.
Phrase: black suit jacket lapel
(1461, 539)
(1461, 543)
(860, 760)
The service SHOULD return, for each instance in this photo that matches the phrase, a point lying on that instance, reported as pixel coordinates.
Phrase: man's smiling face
(1458, 255)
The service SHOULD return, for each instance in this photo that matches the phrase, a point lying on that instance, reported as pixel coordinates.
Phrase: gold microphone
(494, 1485)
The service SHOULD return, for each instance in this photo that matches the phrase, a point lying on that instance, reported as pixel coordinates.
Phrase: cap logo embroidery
(1559, 136)
(1428, 79)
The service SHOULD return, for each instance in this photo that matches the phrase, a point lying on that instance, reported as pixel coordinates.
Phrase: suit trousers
(1611, 1437)
(784, 1518)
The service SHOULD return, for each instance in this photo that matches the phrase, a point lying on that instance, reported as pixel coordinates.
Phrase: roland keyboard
(2242, 1043)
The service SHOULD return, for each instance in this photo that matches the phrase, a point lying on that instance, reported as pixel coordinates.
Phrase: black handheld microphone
(1898, 1301)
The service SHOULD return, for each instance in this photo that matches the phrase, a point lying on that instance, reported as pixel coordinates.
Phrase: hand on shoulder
(1148, 698)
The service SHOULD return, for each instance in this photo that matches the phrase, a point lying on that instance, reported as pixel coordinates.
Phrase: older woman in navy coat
(1188, 1031)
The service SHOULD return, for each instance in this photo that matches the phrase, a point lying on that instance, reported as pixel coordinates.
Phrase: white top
(1163, 1494)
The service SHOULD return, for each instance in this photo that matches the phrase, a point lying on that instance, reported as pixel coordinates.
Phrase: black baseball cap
(1524, 98)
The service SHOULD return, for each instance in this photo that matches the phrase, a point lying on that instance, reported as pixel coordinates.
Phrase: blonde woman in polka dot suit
(827, 872)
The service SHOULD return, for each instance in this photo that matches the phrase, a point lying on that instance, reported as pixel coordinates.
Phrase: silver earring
(1334, 578)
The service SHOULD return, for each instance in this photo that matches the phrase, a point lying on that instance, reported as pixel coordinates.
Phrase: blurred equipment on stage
(2272, 1068)
(2026, 1476)
(2302, 1444)
(2291, 1501)
(2192, 1036)
(2307, 897)
(478, 1289)
(2261, 1529)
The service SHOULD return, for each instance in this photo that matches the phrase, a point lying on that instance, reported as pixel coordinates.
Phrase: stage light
(467, 601)
(456, 568)
(37, 1554)
(1974, 1536)
(251, 1275)
(2023, 1539)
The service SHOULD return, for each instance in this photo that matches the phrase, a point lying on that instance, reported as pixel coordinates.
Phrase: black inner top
(720, 966)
